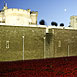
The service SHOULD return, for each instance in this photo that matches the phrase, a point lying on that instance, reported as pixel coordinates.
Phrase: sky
(49, 10)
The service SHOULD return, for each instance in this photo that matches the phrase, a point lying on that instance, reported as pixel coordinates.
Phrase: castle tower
(17, 16)
(73, 22)
(33, 16)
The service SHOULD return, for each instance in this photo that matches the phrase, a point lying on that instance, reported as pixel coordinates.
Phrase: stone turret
(29, 10)
(34, 17)
(73, 22)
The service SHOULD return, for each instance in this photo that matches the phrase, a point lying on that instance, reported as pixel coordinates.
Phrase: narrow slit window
(59, 43)
(7, 44)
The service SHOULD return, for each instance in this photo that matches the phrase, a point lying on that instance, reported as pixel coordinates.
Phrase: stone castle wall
(61, 43)
(11, 43)
(37, 43)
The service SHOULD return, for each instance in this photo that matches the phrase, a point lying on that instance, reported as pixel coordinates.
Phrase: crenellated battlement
(19, 11)
(34, 13)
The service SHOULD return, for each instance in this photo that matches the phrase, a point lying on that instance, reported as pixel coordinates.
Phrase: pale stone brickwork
(34, 17)
(15, 16)
(73, 22)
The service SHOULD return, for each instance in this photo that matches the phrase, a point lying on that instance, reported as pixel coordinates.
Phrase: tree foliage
(69, 26)
(54, 23)
(42, 22)
(61, 24)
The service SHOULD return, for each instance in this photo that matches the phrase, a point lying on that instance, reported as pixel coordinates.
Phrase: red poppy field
(52, 67)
